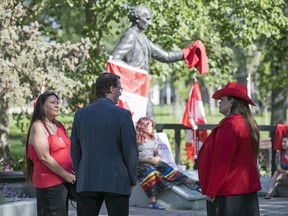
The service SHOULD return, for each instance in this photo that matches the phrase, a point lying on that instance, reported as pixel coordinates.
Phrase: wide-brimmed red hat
(235, 90)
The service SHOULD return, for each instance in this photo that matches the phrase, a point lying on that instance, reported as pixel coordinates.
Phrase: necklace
(54, 130)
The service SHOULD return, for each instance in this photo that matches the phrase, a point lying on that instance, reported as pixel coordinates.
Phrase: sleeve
(164, 56)
(129, 147)
(225, 148)
(75, 144)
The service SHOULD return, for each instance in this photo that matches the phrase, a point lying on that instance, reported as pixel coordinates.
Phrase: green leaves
(225, 27)
(27, 59)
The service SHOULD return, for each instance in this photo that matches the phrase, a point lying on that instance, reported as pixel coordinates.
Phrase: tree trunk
(89, 14)
(278, 108)
(91, 21)
(4, 130)
(240, 58)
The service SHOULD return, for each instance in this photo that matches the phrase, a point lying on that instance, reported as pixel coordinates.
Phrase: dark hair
(104, 82)
(38, 114)
(241, 107)
(137, 12)
(141, 130)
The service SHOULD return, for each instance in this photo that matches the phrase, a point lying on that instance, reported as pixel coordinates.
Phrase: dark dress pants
(90, 203)
(239, 205)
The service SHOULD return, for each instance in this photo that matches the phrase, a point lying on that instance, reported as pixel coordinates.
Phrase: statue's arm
(165, 56)
(125, 45)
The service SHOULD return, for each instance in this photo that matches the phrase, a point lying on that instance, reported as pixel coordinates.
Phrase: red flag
(197, 59)
(135, 83)
(194, 114)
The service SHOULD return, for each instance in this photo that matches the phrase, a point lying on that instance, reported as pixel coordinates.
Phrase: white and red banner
(135, 83)
(194, 114)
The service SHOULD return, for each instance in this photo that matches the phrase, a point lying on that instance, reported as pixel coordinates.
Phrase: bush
(8, 195)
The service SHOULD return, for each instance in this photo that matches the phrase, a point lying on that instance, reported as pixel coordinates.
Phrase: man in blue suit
(104, 152)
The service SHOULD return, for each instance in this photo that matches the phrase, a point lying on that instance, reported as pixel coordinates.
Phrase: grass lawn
(163, 114)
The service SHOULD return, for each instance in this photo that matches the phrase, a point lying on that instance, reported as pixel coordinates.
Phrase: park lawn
(163, 114)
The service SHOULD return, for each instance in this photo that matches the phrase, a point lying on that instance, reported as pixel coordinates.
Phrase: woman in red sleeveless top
(281, 173)
(49, 165)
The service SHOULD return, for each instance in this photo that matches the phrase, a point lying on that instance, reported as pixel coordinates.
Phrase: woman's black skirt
(238, 205)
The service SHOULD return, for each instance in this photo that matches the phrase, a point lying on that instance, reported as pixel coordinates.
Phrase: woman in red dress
(49, 165)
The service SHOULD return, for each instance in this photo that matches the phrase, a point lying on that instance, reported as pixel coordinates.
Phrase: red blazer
(227, 165)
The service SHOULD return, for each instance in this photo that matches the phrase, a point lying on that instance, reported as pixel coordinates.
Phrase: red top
(59, 145)
(227, 163)
(281, 131)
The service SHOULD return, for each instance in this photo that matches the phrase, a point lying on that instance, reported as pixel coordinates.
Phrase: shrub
(8, 195)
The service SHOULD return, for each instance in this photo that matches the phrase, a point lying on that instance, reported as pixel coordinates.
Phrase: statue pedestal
(178, 197)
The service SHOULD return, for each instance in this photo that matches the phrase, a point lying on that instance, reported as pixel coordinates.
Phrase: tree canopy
(225, 27)
(27, 59)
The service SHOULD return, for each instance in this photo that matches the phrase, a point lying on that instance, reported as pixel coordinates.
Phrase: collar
(227, 118)
(105, 100)
(136, 29)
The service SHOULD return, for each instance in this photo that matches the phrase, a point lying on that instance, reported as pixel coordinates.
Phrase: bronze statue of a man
(136, 49)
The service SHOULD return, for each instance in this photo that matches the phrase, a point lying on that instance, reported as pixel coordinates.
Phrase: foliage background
(44, 41)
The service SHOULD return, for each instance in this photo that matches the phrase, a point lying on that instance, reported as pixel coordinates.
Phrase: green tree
(27, 59)
(234, 32)
(258, 29)
(175, 26)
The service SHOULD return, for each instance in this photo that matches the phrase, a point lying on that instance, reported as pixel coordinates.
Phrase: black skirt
(238, 205)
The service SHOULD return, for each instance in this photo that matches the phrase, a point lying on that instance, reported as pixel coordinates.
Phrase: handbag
(72, 195)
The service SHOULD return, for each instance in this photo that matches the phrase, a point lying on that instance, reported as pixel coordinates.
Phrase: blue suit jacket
(104, 149)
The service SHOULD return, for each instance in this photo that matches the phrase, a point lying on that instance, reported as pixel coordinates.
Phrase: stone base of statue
(178, 197)
(282, 190)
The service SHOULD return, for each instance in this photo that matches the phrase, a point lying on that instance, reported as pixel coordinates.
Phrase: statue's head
(140, 16)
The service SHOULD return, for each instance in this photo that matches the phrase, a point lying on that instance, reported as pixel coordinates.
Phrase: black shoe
(195, 186)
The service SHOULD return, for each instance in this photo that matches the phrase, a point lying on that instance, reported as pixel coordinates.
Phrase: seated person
(155, 175)
(281, 173)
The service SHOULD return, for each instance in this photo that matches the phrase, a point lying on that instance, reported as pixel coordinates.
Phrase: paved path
(276, 206)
